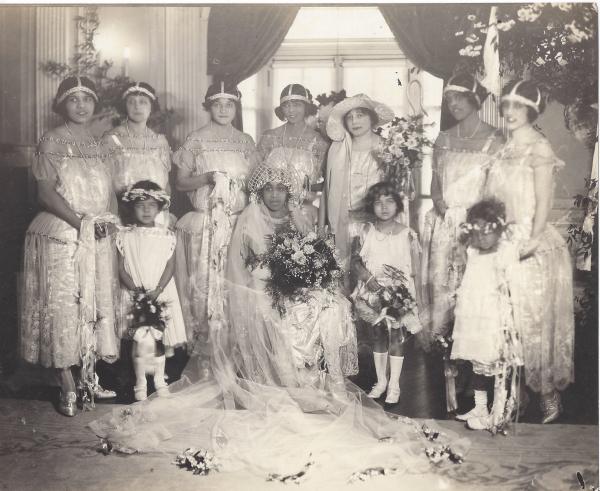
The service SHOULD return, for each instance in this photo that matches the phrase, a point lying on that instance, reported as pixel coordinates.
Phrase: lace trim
(100, 156)
(133, 136)
(64, 141)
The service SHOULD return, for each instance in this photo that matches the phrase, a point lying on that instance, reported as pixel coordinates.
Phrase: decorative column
(55, 40)
(185, 66)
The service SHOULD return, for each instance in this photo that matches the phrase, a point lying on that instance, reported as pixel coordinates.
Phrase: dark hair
(127, 207)
(372, 116)
(383, 188)
(215, 88)
(488, 210)
(68, 84)
(528, 90)
(310, 109)
(466, 80)
(121, 106)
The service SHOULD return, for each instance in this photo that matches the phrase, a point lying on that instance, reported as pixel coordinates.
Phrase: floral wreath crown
(138, 194)
(468, 228)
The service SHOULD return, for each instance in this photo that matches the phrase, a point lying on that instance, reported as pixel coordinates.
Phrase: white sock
(381, 367)
(395, 371)
(481, 399)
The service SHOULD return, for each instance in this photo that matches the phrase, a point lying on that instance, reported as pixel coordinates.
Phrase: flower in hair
(139, 194)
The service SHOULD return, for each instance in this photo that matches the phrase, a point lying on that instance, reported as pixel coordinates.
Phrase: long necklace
(473, 134)
(144, 136)
(360, 166)
(95, 143)
(217, 133)
(289, 161)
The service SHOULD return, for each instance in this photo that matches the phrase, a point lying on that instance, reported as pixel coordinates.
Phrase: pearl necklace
(386, 235)
(473, 134)
(95, 143)
(217, 133)
(144, 136)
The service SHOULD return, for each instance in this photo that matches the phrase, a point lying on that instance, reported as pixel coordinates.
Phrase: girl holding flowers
(147, 263)
(381, 246)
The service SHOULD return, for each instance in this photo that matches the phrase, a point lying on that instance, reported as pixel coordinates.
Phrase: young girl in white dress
(385, 242)
(147, 260)
(484, 331)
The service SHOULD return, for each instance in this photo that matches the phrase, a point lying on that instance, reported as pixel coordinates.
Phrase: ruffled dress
(402, 251)
(542, 285)
(305, 156)
(70, 284)
(460, 168)
(146, 251)
(484, 329)
(135, 158)
(203, 234)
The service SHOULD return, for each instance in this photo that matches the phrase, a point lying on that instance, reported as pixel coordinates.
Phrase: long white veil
(262, 413)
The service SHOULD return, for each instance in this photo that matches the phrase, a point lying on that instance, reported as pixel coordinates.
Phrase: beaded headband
(294, 97)
(138, 194)
(78, 88)
(137, 88)
(513, 96)
(223, 94)
(460, 88)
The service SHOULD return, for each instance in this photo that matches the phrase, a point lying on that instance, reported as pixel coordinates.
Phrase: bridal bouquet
(403, 151)
(298, 264)
(392, 304)
(147, 311)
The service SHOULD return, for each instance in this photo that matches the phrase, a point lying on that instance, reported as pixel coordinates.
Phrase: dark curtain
(242, 39)
(426, 33)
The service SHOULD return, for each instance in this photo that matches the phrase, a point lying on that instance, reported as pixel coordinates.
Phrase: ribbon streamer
(491, 56)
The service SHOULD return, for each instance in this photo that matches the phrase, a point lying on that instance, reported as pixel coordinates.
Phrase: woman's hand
(153, 294)
(100, 230)
(440, 206)
(529, 248)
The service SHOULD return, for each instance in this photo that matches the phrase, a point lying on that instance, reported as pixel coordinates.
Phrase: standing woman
(136, 152)
(212, 166)
(68, 314)
(522, 176)
(457, 183)
(298, 143)
(352, 167)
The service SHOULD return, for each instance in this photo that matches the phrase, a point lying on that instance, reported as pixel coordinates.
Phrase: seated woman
(314, 332)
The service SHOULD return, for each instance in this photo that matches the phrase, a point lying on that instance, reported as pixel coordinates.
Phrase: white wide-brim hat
(335, 123)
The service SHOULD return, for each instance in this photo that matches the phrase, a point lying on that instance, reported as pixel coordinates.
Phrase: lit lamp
(125, 66)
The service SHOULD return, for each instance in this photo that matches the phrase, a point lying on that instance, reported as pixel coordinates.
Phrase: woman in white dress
(212, 166)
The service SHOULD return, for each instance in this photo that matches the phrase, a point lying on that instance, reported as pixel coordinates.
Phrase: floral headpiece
(513, 96)
(468, 228)
(138, 194)
(137, 88)
(78, 88)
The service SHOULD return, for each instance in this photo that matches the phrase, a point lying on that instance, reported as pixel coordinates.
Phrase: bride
(271, 410)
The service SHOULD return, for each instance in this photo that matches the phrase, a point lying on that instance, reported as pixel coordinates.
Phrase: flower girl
(484, 331)
(146, 265)
(385, 261)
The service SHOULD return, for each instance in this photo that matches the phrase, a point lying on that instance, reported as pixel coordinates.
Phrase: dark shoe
(67, 404)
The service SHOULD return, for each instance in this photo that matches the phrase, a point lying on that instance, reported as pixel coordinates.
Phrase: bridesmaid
(212, 166)
(352, 166)
(522, 176)
(457, 183)
(67, 315)
(303, 148)
(136, 152)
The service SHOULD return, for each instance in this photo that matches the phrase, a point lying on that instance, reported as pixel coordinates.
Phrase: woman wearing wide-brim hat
(301, 146)
(352, 165)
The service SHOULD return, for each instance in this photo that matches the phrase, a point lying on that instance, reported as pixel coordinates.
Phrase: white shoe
(393, 395)
(476, 412)
(479, 422)
(378, 390)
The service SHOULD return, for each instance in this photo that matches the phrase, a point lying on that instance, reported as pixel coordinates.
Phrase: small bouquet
(298, 264)
(403, 152)
(148, 312)
(392, 303)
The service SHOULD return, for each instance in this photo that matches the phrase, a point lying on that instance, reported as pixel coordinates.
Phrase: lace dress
(460, 168)
(305, 155)
(542, 288)
(146, 251)
(135, 158)
(203, 234)
(69, 279)
(399, 250)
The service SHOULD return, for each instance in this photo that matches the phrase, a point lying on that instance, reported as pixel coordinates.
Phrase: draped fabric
(242, 39)
(427, 36)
